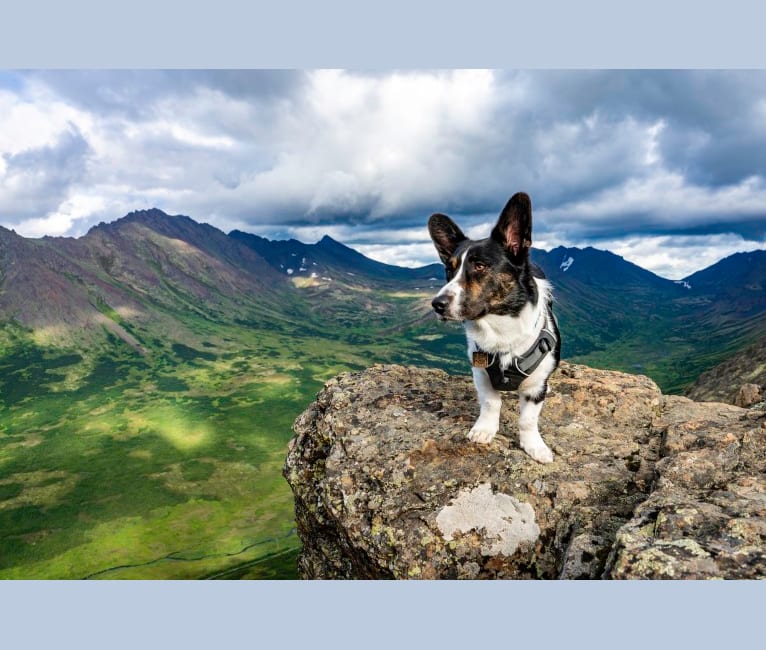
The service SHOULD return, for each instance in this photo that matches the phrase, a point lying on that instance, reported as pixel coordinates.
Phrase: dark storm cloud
(708, 130)
(714, 120)
(37, 181)
(640, 224)
(568, 137)
(604, 154)
(134, 93)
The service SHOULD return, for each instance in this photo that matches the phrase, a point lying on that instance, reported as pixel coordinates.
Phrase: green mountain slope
(722, 382)
(616, 315)
(149, 376)
(150, 372)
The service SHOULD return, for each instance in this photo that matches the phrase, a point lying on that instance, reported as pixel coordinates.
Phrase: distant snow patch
(314, 275)
(502, 521)
(289, 271)
(566, 264)
(683, 283)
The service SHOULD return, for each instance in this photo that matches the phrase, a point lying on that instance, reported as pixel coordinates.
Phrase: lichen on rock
(503, 521)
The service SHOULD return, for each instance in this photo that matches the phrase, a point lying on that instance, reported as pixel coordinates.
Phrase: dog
(506, 306)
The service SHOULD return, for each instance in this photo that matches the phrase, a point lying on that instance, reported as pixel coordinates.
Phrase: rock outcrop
(749, 395)
(739, 380)
(642, 486)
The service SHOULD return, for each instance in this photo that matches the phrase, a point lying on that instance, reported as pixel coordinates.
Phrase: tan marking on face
(507, 285)
(474, 289)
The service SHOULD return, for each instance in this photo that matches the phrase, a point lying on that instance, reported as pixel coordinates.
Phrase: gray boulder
(642, 485)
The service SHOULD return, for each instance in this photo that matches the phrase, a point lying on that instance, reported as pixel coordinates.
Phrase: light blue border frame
(418, 33)
(392, 34)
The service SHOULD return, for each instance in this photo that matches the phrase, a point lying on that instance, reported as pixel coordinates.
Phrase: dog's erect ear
(446, 235)
(513, 230)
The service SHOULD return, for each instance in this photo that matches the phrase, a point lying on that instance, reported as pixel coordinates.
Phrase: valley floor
(116, 464)
(167, 465)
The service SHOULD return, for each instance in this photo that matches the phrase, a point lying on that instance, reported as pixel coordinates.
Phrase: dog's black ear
(513, 230)
(446, 235)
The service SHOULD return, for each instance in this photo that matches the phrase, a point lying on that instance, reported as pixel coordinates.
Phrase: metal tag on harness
(480, 360)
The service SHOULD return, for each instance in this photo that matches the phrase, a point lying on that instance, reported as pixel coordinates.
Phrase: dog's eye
(479, 267)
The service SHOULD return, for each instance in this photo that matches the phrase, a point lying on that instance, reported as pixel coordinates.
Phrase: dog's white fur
(507, 336)
(454, 289)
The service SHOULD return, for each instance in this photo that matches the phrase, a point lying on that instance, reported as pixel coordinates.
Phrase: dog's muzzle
(441, 304)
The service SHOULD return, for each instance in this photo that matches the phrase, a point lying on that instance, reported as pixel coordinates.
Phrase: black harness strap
(520, 367)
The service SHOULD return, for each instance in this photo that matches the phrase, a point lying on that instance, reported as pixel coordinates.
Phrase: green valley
(150, 373)
(156, 451)
(166, 465)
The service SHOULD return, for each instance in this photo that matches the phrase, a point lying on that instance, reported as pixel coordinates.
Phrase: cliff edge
(643, 485)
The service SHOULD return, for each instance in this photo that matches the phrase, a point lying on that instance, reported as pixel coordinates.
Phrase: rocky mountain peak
(153, 218)
(151, 213)
(329, 241)
(643, 485)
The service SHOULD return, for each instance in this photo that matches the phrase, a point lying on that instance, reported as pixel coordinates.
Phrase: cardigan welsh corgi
(505, 304)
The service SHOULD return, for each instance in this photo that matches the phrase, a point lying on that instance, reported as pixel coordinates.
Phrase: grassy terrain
(162, 459)
(672, 349)
(144, 419)
(115, 464)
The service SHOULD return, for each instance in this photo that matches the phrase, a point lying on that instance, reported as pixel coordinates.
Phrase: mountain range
(141, 276)
(151, 371)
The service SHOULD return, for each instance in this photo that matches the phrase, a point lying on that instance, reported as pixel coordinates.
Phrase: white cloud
(678, 257)
(661, 200)
(376, 146)
(366, 158)
(60, 222)
(36, 122)
(411, 255)
(55, 225)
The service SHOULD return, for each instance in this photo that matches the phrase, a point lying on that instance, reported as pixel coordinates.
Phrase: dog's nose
(440, 304)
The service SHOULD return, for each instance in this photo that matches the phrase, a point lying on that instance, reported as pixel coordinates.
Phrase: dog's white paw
(482, 433)
(538, 450)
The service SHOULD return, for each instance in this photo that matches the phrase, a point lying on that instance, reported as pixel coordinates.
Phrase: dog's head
(488, 276)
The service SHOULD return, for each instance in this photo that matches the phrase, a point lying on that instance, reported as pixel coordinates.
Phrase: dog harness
(520, 367)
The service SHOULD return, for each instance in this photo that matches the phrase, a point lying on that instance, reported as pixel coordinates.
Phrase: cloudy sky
(666, 168)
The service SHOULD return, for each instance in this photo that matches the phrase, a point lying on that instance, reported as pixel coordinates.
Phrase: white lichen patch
(502, 521)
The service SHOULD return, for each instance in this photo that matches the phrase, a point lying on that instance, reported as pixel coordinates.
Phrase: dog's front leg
(490, 402)
(530, 440)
